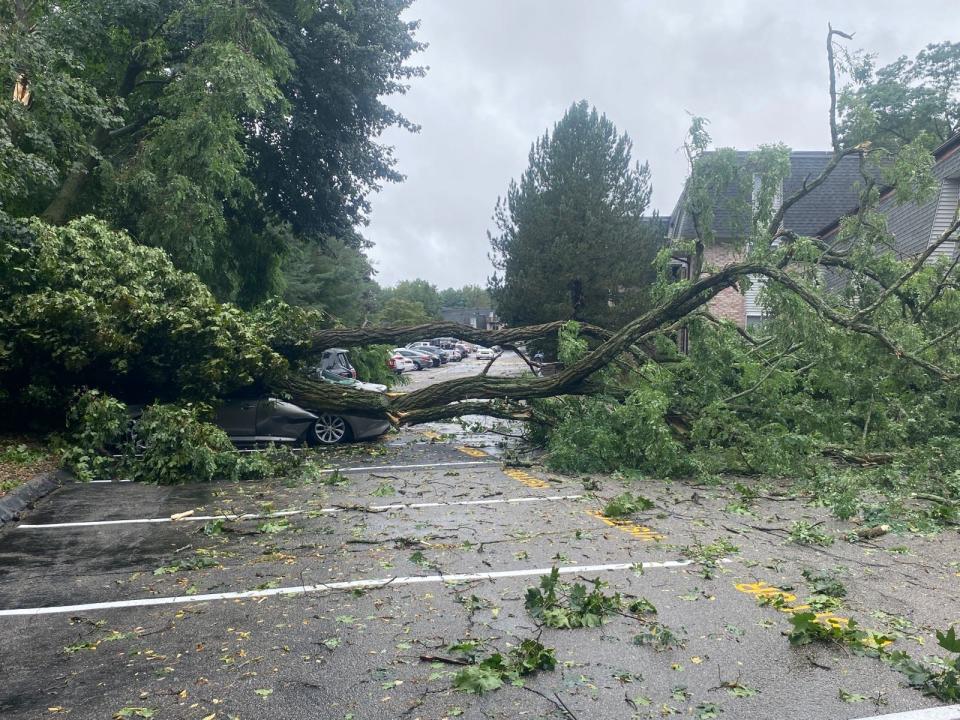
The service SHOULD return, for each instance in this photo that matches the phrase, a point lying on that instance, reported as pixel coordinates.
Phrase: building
(475, 317)
(733, 218)
(915, 226)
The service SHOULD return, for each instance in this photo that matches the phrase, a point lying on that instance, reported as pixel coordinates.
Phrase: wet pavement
(333, 597)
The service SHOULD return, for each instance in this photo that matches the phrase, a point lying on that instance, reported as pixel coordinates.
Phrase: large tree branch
(817, 303)
(351, 337)
(914, 269)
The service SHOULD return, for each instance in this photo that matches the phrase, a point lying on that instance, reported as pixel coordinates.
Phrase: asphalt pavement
(339, 597)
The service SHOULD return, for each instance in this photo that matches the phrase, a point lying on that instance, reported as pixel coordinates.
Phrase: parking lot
(340, 597)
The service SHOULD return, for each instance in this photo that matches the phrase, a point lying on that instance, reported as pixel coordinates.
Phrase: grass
(21, 458)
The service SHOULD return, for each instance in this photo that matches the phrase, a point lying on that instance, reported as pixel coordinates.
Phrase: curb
(15, 501)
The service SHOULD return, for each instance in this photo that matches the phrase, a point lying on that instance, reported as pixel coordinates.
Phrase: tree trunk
(60, 208)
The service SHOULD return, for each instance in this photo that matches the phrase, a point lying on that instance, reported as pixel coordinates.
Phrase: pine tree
(572, 241)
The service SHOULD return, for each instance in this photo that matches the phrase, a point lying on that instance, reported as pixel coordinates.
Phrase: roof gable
(838, 193)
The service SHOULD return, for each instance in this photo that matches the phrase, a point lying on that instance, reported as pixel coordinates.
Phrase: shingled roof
(914, 226)
(835, 196)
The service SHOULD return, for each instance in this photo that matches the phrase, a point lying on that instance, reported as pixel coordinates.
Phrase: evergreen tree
(572, 241)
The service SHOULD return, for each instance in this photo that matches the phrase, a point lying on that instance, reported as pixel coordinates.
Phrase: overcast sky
(500, 72)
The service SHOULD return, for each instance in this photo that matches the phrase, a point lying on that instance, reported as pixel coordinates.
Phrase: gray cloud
(503, 71)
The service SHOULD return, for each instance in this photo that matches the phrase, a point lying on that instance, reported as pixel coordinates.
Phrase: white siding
(946, 209)
(751, 297)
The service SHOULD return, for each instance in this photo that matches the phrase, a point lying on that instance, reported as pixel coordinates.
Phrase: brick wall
(729, 304)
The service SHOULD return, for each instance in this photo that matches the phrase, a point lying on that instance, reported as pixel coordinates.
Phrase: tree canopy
(572, 241)
(870, 367)
(210, 128)
(893, 105)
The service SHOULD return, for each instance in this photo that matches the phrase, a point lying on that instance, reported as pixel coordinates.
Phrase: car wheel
(329, 430)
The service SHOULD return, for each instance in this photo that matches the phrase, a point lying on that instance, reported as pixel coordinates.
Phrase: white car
(485, 354)
(400, 364)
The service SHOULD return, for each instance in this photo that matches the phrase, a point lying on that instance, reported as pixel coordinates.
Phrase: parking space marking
(761, 589)
(640, 532)
(526, 478)
(949, 712)
(364, 468)
(472, 451)
(347, 585)
(288, 513)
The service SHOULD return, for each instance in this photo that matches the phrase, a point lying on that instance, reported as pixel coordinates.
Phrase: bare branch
(831, 61)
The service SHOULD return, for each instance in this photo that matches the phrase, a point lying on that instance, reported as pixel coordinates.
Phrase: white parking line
(950, 712)
(363, 468)
(348, 585)
(288, 513)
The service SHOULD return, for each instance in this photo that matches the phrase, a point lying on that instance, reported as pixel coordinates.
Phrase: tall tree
(415, 291)
(898, 103)
(466, 296)
(572, 241)
(202, 126)
(333, 277)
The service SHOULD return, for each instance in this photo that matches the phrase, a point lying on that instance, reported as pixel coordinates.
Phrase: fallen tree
(867, 368)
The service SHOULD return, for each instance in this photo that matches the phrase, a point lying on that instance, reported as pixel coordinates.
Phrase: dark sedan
(264, 420)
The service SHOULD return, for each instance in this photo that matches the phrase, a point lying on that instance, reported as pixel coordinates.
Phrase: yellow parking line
(526, 478)
(431, 435)
(472, 452)
(763, 590)
(640, 532)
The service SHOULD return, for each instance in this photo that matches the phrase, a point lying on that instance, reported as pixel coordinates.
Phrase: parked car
(427, 347)
(261, 420)
(337, 360)
(400, 364)
(485, 354)
(420, 359)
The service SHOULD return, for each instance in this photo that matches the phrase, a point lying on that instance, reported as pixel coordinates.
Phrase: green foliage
(197, 561)
(601, 434)
(493, 671)
(87, 305)
(332, 276)
(370, 362)
(21, 454)
(805, 533)
(571, 238)
(709, 556)
(166, 444)
(660, 637)
(413, 294)
(807, 629)
(559, 605)
(626, 504)
(97, 425)
(398, 312)
(824, 582)
(176, 444)
(211, 128)
(907, 100)
(939, 677)
(468, 296)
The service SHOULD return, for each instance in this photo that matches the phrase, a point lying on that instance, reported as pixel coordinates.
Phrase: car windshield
(331, 376)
